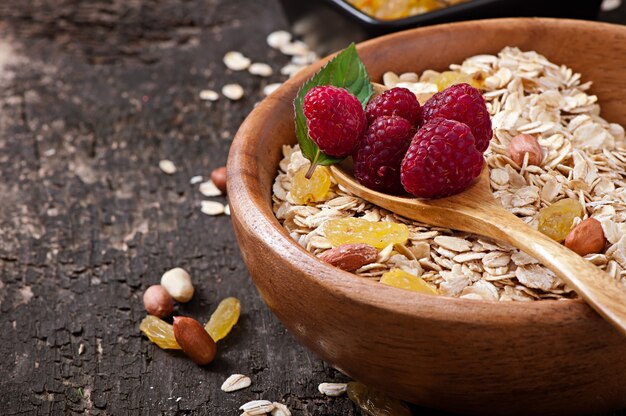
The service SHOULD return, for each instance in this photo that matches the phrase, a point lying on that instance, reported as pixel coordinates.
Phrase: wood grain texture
(92, 95)
(548, 357)
(475, 210)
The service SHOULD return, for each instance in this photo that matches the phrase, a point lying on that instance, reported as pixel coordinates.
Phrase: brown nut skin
(522, 144)
(195, 342)
(350, 257)
(158, 302)
(586, 238)
(218, 176)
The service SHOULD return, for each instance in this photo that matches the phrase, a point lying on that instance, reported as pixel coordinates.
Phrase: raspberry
(378, 155)
(464, 103)
(335, 119)
(395, 102)
(441, 160)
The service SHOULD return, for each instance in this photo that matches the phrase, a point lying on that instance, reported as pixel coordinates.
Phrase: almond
(218, 176)
(522, 144)
(194, 340)
(157, 301)
(586, 238)
(350, 257)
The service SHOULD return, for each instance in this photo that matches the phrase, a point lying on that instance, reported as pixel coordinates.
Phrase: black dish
(329, 25)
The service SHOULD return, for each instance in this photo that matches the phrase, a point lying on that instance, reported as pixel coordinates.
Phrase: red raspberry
(441, 160)
(395, 102)
(378, 155)
(335, 119)
(464, 103)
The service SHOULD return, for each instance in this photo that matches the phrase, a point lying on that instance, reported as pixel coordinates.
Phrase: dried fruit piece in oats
(556, 220)
(357, 230)
(448, 78)
(159, 332)
(224, 318)
(376, 403)
(305, 190)
(404, 280)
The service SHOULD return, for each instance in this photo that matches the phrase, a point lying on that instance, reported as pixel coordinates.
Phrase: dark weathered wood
(92, 96)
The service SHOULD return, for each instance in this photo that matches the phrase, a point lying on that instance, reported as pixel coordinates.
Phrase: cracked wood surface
(92, 96)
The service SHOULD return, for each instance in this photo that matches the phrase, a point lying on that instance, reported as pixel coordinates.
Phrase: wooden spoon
(476, 211)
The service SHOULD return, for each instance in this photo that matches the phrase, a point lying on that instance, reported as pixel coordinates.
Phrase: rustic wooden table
(92, 96)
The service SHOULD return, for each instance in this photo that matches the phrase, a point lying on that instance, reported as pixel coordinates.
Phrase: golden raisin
(223, 319)
(357, 230)
(404, 280)
(159, 332)
(374, 402)
(556, 220)
(305, 190)
(448, 78)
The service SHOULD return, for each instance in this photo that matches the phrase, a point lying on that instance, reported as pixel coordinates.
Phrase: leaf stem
(309, 173)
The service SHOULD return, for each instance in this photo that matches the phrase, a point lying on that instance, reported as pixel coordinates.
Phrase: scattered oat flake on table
(167, 166)
(211, 208)
(209, 95)
(232, 91)
(236, 61)
(268, 89)
(280, 410)
(257, 407)
(236, 382)
(209, 189)
(332, 389)
(260, 69)
(295, 48)
(195, 179)
(227, 209)
(278, 39)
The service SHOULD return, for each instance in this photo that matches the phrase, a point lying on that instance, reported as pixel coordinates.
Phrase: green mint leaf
(346, 70)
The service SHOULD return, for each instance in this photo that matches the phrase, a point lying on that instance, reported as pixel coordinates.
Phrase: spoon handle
(601, 291)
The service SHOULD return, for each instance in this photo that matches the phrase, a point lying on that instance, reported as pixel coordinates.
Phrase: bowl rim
(257, 214)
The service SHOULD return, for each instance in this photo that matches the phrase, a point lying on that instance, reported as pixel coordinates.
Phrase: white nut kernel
(260, 69)
(177, 282)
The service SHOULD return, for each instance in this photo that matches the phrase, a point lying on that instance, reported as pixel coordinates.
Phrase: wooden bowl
(543, 357)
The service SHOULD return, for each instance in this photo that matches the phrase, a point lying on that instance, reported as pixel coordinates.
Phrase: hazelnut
(158, 302)
(586, 238)
(195, 342)
(177, 282)
(522, 144)
(218, 176)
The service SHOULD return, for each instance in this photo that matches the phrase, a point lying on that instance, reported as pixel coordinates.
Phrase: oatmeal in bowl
(575, 176)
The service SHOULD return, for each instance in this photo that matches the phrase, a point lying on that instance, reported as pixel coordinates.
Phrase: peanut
(586, 238)
(177, 282)
(218, 176)
(522, 144)
(195, 342)
(350, 257)
(157, 301)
